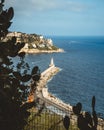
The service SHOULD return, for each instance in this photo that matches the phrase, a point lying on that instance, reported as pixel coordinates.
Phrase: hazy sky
(58, 17)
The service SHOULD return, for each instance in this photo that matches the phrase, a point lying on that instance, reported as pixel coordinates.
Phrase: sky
(58, 17)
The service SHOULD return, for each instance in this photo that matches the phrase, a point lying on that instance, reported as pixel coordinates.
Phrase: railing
(48, 117)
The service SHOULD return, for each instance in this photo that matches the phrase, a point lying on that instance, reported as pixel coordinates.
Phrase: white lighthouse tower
(52, 63)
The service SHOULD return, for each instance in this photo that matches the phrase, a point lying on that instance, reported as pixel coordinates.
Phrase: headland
(34, 43)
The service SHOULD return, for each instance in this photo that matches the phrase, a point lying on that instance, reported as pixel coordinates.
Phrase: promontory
(34, 43)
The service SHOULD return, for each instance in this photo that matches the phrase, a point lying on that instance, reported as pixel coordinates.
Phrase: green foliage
(54, 48)
(13, 82)
(48, 48)
(46, 120)
(43, 48)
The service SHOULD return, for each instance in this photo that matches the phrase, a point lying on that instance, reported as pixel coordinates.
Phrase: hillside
(34, 43)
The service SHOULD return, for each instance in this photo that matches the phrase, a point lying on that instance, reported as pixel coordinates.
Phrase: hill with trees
(33, 43)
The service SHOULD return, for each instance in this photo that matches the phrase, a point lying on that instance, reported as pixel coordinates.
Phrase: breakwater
(42, 90)
(43, 94)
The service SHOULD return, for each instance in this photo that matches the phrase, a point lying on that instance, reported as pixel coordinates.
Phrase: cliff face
(33, 41)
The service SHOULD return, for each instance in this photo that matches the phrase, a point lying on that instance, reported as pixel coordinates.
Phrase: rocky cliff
(34, 43)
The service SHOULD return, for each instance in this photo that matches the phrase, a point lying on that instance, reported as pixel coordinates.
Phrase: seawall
(43, 94)
(42, 90)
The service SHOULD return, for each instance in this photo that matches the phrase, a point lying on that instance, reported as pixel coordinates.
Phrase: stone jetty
(42, 90)
(43, 94)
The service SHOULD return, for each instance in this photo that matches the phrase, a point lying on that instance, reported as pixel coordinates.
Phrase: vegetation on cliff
(32, 41)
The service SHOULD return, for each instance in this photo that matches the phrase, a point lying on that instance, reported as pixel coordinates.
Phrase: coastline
(42, 90)
(36, 51)
(48, 97)
(45, 96)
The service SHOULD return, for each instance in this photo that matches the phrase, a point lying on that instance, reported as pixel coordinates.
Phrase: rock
(34, 43)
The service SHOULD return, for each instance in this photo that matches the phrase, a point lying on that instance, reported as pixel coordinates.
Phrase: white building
(26, 46)
(51, 63)
(50, 41)
(51, 66)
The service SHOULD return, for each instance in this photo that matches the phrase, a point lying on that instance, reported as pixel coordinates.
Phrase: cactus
(66, 122)
(93, 102)
(95, 119)
(77, 108)
(86, 121)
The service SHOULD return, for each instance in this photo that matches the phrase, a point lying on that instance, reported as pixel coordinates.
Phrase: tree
(14, 87)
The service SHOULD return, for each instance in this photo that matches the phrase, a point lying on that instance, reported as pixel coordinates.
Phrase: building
(50, 68)
(51, 63)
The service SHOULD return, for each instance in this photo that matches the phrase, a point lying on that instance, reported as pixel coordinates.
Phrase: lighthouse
(52, 63)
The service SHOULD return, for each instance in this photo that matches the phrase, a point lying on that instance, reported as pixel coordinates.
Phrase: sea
(81, 73)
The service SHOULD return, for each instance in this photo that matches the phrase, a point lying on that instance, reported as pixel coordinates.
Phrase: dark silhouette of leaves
(88, 118)
(86, 121)
(36, 77)
(95, 119)
(10, 13)
(2, 1)
(26, 78)
(77, 108)
(13, 81)
(21, 54)
(35, 70)
(17, 75)
(93, 102)
(13, 40)
(66, 122)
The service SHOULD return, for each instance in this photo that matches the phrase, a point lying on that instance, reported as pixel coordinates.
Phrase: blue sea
(82, 70)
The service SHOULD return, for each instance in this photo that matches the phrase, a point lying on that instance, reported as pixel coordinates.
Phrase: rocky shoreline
(34, 43)
(35, 51)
